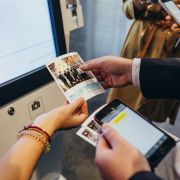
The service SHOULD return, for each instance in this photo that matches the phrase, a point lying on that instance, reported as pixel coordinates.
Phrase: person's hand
(116, 158)
(169, 18)
(111, 71)
(172, 34)
(66, 116)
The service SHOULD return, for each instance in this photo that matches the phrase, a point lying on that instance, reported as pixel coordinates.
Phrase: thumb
(76, 105)
(111, 135)
(80, 117)
(101, 148)
(92, 64)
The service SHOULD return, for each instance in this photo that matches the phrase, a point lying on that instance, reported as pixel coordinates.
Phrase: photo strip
(88, 135)
(91, 117)
(73, 82)
(90, 129)
(94, 126)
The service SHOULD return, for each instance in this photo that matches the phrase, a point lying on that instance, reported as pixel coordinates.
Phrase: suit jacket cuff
(145, 175)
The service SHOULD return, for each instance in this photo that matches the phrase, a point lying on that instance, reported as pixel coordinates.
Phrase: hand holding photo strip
(73, 82)
(90, 129)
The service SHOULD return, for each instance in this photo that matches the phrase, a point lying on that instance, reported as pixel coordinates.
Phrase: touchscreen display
(135, 129)
(26, 37)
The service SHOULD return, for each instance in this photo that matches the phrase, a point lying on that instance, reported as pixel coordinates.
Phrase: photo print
(88, 135)
(73, 82)
(91, 126)
(94, 126)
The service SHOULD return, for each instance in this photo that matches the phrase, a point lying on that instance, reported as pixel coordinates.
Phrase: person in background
(70, 77)
(63, 79)
(150, 36)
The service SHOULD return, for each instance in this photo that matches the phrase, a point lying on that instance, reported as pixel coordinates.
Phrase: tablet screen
(135, 129)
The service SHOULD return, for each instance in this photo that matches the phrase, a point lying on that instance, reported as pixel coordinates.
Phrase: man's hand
(172, 34)
(116, 158)
(111, 71)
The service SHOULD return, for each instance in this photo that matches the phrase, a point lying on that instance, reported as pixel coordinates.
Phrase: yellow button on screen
(119, 118)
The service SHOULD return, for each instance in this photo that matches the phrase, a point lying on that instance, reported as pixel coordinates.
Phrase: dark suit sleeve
(160, 78)
(145, 175)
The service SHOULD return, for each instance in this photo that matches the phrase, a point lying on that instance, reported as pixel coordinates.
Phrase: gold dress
(149, 36)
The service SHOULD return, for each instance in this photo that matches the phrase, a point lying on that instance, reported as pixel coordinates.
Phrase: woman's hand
(20, 161)
(64, 117)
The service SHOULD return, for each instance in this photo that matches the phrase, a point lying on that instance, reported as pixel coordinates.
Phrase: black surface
(161, 152)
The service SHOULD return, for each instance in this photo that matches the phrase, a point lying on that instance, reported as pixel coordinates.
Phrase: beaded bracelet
(41, 132)
(38, 134)
(36, 128)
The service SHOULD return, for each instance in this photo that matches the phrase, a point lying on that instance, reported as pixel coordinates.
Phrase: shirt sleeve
(135, 71)
(145, 175)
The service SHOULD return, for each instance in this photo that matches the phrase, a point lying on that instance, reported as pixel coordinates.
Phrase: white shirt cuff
(135, 71)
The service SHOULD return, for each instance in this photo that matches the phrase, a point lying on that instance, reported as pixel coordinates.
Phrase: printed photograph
(73, 81)
(90, 128)
(94, 126)
(92, 137)
(67, 71)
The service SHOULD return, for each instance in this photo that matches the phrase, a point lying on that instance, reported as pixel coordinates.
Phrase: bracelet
(38, 129)
(37, 136)
(41, 132)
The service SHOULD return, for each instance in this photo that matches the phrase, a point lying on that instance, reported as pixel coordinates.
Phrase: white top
(135, 71)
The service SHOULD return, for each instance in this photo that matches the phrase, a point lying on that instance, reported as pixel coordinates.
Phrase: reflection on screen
(135, 129)
(26, 39)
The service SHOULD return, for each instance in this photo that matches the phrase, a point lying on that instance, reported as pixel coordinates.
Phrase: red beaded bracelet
(39, 129)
